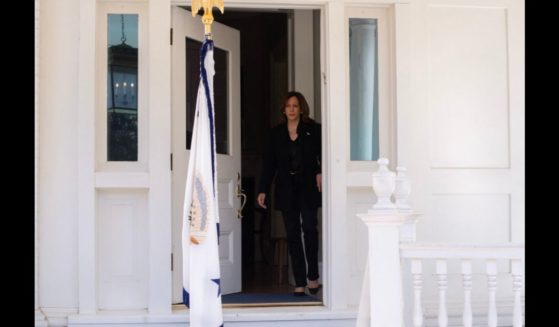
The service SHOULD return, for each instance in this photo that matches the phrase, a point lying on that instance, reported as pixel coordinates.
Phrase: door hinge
(171, 41)
(171, 162)
(171, 261)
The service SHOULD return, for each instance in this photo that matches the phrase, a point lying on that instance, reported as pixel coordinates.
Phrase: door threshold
(271, 304)
(255, 300)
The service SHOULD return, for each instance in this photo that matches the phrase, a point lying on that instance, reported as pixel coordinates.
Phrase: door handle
(241, 195)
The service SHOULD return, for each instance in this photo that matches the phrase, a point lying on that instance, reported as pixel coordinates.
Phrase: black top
(295, 156)
(277, 163)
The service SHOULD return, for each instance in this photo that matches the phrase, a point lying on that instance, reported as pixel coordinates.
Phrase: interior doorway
(268, 64)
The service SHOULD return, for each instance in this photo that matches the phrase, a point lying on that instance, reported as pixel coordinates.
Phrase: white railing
(382, 300)
(416, 253)
(391, 237)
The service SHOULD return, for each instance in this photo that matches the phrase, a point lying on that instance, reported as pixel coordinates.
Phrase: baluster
(491, 270)
(441, 281)
(417, 283)
(467, 284)
(516, 287)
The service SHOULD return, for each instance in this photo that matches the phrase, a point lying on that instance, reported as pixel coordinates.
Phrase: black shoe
(313, 291)
(299, 293)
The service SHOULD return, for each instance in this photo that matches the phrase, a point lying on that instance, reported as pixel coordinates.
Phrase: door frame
(334, 256)
(334, 203)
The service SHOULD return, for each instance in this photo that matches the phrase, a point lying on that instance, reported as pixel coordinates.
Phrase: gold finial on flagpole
(207, 18)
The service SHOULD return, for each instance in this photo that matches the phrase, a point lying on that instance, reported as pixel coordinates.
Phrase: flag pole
(207, 18)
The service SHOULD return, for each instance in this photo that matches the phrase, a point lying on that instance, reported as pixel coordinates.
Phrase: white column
(467, 284)
(58, 146)
(159, 150)
(87, 267)
(441, 272)
(385, 277)
(491, 270)
(417, 284)
(516, 289)
(334, 159)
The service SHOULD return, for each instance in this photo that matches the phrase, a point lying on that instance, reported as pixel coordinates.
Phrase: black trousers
(299, 216)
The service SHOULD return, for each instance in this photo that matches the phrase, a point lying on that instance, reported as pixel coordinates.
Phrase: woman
(293, 158)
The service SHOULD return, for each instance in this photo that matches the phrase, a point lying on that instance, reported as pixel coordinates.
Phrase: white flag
(201, 276)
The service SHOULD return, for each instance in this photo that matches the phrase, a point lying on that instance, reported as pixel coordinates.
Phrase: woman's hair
(303, 105)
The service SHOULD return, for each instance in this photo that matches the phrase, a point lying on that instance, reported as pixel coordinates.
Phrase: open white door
(188, 33)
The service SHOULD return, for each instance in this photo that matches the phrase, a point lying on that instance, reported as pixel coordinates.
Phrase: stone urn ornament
(384, 183)
(402, 190)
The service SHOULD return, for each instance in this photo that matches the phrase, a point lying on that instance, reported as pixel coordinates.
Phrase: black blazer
(276, 164)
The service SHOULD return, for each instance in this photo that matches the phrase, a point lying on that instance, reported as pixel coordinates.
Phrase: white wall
(57, 225)
(122, 249)
(462, 138)
(460, 134)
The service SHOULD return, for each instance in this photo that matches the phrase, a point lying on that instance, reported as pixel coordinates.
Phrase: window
(371, 97)
(122, 87)
(221, 77)
(363, 75)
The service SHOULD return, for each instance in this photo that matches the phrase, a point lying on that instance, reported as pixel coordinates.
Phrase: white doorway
(280, 51)
(250, 261)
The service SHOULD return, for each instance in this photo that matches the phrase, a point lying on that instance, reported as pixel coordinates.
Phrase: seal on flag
(199, 211)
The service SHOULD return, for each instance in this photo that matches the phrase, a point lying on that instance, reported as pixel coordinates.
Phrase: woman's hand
(261, 198)
(319, 182)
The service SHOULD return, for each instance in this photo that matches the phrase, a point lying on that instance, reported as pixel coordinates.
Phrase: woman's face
(292, 110)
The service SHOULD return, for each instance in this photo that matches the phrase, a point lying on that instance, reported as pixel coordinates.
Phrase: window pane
(220, 93)
(122, 88)
(363, 89)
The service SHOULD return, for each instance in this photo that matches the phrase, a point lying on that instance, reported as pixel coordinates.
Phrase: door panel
(187, 29)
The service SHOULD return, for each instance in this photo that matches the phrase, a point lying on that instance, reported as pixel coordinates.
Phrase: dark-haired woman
(293, 156)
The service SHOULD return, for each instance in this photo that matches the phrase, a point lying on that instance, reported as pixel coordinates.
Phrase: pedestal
(381, 302)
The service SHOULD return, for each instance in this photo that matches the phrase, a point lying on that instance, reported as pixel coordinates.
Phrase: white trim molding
(159, 145)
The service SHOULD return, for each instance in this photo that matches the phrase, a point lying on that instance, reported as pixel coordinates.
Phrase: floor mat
(267, 299)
